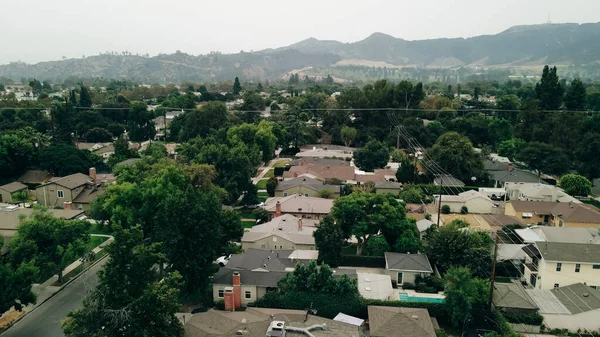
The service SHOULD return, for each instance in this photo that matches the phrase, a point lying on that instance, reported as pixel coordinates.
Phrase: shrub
(464, 210)
(408, 285)
(220, 305)
(445, 209)
(530, 319)
(278, 171)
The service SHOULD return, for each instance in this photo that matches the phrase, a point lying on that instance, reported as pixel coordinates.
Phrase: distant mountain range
(519, 46)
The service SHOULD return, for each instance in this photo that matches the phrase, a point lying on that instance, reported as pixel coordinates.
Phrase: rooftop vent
(415, 317)
(585, 295)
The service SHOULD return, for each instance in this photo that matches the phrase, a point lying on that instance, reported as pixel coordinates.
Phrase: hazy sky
(40, 30)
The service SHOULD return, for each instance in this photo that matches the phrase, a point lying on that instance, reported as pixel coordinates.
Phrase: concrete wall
(584, 321)
(479, 206)
(5, 196)
(275, 242)
(406, 277)
(48, 195)
(567, 275)
(255, 293)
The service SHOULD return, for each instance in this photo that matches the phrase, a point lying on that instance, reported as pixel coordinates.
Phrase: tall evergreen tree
(575, 96)
(73, 98)
(85, 98)
(237, 87)
(549, 91)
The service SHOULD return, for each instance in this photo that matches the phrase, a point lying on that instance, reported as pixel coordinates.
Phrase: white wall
(585, 321)
(567, 275)
(479, 206)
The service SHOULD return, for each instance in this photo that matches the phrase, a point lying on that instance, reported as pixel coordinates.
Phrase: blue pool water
(405, 297)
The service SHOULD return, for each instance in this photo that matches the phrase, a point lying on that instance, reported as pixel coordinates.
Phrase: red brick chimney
(510, 167)
(229, 302)
(299, 225)
(277, 209)
(295, 175)
(92, 174)
(301, 162)
(341, 163)
(67, 205)
(237, 290)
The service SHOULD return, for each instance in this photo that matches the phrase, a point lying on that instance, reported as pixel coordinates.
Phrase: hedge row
(521, 318)
(363, 261)
(329, 306)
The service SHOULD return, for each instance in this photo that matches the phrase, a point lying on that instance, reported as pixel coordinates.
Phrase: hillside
(566, 44)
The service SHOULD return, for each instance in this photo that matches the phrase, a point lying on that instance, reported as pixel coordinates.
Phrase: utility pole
(440, 202)
(493, 272)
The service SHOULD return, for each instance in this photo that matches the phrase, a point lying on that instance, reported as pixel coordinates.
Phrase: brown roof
(71, 181)
(569, 212)
(13, 187)
(394, 321)
(34, 177)
(88, 195)
(9, 220)
(322, 172)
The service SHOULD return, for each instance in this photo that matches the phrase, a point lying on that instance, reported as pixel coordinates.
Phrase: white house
(475, 202)
(575, 307)
(537, 192)
(405, 267)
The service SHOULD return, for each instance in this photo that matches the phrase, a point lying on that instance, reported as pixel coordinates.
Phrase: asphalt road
(45, 320)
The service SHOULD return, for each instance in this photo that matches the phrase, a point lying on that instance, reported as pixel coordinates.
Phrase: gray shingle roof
(71, 181)
(569, 252)
(286, 227)
(512, 295)
(393, 321)
(578, 297)
(447, 180)
(409, 262)
(13, 187)
(34, 177)
(248, 277)
(313, 184)
(515, 176)
(276, 260)
(291, 204)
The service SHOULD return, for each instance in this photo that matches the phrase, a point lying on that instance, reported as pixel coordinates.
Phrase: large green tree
(366, 215)
(139, 122)
(237, 87)
(575, 96)
(466, 296)
(586, 156)
(199, 123)
(50, 243)
(549, 91)
(543, 157)
(85, 97)
(451, 245)
(455, 154)
(132, 297)
(348, 134)
(15, 282)
(510, 148)
(576, 185)
(374, 155)
(62, 160)
(329, 239)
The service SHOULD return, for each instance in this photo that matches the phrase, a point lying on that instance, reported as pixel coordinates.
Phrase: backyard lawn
(270, 173)
(262, 184)
(281, 163)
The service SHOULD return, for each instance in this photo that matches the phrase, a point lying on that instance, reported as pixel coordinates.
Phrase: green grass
(262, 184)
(263, 194)
(262, 199)
(349, 250)
(248, 224)
(97, 229)
(95, 241)
(270, 173)
(246, 214)
(281, 163)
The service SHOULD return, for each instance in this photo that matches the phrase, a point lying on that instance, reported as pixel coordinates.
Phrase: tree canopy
(576, 185)
(455, 154)
(374, 155)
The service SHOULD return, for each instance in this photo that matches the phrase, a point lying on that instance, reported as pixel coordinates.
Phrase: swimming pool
(405, 297)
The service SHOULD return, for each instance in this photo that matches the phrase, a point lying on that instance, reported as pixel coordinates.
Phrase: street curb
(59, 290)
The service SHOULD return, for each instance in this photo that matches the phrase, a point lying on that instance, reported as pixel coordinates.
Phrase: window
(263, 246)
(221, 293)
(285, 194)
(60, 194)
(306, 194)
(577, 268)
(596, 266)
(556, 285)
(248, 294)
(527, 215)
(558, 266)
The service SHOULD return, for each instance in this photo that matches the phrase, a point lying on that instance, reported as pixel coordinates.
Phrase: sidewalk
(46, 290)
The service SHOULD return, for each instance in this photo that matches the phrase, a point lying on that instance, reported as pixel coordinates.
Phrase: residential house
(319, 161)
(501, 178)
(554, 264)
(575, 307)
(34, 178)
(129, 162)
(7, 191)
(320, 172)
(557, 214)
(300, 206)
(282, 232)
(535, 234)
(474, 201)
(10, 218)
(258, 270)
(388, 187)
(405, 267)
(261, 322)
(307, 187)
(447, 181)
(423, 225)
(512, 297)
(326, 151)
(395, 321)
(74, 191)
(537, 192)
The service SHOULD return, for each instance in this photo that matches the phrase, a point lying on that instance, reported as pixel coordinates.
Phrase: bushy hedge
(363, 261)
(521, 318)
(329, 306)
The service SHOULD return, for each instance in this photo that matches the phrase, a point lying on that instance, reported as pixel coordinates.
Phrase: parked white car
(222, 261)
